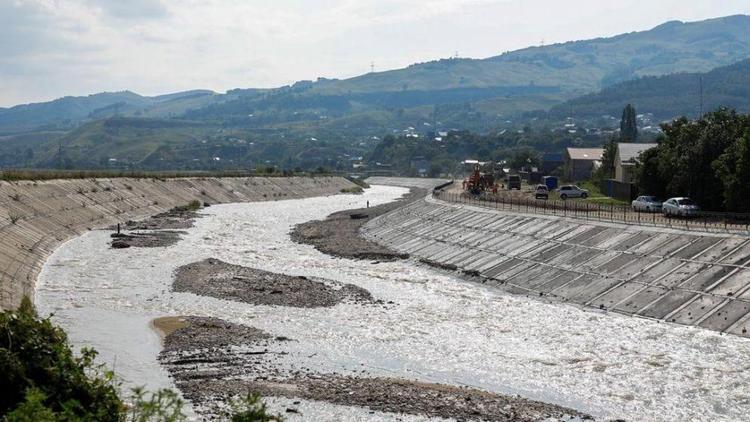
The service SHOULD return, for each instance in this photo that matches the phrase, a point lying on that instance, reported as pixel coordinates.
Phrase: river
(439, 328)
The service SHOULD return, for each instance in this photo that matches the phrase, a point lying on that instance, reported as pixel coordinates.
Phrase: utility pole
(701, 89)
(372, 67)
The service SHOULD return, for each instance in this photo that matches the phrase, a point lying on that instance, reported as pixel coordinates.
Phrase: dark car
(514, 182)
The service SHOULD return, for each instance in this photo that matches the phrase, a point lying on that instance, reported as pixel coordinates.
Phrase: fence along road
(691, 278)
(705, 221)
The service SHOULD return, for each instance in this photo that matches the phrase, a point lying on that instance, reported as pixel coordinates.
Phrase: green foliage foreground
(42, 380)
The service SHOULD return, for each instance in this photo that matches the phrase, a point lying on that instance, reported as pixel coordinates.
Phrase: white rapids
(439, 329)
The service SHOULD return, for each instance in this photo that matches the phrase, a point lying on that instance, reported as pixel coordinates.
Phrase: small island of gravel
(215, 278)
(338, 235)
(213, 360)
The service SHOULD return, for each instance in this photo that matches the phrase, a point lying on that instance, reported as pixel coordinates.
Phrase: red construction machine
(479, 182)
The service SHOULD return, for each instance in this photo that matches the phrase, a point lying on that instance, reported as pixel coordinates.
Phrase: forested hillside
(668, 96)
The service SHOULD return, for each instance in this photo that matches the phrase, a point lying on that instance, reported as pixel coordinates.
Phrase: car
(680, 206)
(572, 191)
(541, 192)
(646, 203)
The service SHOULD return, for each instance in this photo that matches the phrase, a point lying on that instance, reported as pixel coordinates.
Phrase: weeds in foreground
(43, 381)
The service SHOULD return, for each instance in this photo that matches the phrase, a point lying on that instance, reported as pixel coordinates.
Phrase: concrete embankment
(35, 217)
(689, 278)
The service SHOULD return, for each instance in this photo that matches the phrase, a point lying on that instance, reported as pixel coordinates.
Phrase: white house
(626, 158)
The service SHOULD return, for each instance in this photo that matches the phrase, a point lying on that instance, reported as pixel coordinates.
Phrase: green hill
(505, 85)
(69, 112)
(581, 66)
(668, 96)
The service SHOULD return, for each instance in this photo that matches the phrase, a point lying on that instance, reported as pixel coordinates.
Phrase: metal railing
(736, 223)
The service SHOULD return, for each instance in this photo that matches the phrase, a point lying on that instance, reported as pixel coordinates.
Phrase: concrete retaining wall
(35, 217)
(689, 278)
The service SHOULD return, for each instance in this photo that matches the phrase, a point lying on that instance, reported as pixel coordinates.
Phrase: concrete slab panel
(707, 277)
(616, 295)
(634, 268)
(681, 274)
(552, 252)
(667, 304)
(641, 299)
(741, 256)
(601, 237)
(697, 247)
(560, 280)
(585, 288)
(586, 235)
(632, 242)
(549, 274)
(726, 316)
(657, 271)
(502, 267)
(675, 244)
(721, 249)
(584, 257)
(696, 310)
(616, 263)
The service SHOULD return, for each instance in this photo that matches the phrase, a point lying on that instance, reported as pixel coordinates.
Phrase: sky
(53, 48)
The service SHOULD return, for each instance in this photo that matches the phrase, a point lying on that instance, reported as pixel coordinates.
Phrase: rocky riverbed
(338, 234)
(439, 329)
(219, 279)
(158, 231)
(212, 361)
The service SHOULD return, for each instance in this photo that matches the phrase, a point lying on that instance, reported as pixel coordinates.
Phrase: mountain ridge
(501, 86)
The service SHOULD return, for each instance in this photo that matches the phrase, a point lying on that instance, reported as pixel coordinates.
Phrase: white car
(681, 206)
(572, 191)
(646, 203)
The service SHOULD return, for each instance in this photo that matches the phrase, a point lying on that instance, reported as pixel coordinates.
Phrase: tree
(628, 125)
(733, 168)
(706, 159)
(524, 157)
(607, 169)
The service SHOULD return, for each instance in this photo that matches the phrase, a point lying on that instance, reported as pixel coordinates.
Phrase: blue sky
(52, 48)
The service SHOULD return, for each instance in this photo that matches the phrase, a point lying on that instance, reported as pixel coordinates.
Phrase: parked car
(572, 191)
(682, 207)
(514, 182)
(541, 192)
(646, 203)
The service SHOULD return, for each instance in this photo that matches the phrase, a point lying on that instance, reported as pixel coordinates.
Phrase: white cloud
(52, 48)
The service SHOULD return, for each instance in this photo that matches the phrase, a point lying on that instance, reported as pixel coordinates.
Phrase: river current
(439, 328)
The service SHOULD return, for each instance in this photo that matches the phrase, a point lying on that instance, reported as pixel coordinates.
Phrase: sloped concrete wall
(669, 275)
(35, 217)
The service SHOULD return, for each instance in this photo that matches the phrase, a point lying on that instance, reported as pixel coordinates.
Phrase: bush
(353, 189)
(251, 409)
(193, 205)
(43, 380)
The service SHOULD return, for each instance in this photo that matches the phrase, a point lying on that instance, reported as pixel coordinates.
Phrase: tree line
(707, 159)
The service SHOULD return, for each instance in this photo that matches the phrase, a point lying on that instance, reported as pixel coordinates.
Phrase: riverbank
(338, 234)
(439, 329)
(37, 216)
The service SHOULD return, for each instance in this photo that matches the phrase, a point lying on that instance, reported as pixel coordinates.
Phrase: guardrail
(737, 223)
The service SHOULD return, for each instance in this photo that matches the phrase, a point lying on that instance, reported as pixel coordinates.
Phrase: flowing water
(438, 329)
